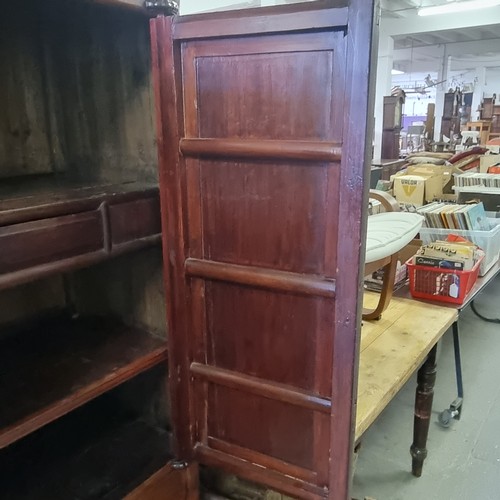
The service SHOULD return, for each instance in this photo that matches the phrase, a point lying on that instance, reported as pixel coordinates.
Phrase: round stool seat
(389, 232)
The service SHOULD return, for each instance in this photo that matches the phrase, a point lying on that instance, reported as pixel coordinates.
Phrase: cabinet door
(262, 125)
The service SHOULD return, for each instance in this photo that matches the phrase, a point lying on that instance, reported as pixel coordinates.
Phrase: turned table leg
(423, 406)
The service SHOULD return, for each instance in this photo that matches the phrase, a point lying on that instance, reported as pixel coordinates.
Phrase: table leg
(455, 409)
(458, 360)
(423, 407)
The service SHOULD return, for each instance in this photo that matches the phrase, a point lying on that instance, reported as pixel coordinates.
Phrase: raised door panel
(266, 213)
(237, 201)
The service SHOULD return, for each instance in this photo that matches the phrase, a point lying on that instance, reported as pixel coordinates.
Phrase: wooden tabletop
(392, 349)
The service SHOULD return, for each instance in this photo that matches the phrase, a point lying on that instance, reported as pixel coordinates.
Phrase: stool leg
(423, 406)
(386, 292)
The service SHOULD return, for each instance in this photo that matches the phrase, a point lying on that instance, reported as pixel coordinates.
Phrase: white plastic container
(489, 241)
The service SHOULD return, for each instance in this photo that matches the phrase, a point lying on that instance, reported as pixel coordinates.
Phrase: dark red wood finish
(69, 362)
(63, 228)
(262, 124)
(426, 379)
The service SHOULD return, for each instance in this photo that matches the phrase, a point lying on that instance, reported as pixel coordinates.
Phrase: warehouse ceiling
(405, 8)
(469, 47)
(446, 36)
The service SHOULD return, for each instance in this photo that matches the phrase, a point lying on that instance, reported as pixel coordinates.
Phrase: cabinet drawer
(134, 220)
(34, 243)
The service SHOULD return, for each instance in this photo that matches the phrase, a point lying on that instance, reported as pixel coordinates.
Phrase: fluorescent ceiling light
(458, 7)
(397, 72)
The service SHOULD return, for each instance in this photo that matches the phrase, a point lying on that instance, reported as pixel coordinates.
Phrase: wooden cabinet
(495, 119)
(263, 124)
(83, 352)
(487, 108)
(450, 121)
(263, 139)
(392, 124)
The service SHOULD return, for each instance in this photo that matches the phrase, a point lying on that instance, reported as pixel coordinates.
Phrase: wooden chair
(482, 126)
(388, 233)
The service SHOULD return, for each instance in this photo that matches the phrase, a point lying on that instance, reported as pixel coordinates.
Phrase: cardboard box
(444, 171)
(409, 189)
(423, 183)
(487, 161)
(417, 189)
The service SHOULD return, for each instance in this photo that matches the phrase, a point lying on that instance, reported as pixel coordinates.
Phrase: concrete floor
(463, 461)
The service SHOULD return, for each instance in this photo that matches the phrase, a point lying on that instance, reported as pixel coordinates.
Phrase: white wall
(492, 85)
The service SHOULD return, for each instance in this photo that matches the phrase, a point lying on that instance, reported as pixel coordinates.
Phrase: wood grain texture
(39, 244)
(238, 200)
(253, 385)
(169, 484)
(94, 355)
(134, 220)
(35, 243)
(238, 23)
(253, 472)
(265, 460)
(426, 378)
(167, 85)
(283, 354)
(28, 199)
(277, 150)
(361, 42)
(261, 277)
(392, 349)
(237, 213)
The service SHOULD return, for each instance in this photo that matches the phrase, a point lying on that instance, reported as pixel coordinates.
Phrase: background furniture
(389, 167)
(486, 110)
(450, 121)
(263, 206)
(455, 409)
(386, 235)
(483, 127)
(495, 121)
(392, 124)
(403, 341)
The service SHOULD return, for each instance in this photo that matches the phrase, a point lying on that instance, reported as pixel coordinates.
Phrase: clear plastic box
(489, 241)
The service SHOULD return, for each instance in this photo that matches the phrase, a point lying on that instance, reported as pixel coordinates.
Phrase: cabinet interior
(82, 323)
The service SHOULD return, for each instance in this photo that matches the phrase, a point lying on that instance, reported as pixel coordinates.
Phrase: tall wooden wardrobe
(263, 139)
(241, 139)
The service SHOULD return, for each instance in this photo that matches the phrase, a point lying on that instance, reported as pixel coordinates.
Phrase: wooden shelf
(26, 199)
(50, 369)
(50, 225)
(99, 452)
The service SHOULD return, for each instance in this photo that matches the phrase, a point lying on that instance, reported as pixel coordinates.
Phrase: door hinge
(178, 464)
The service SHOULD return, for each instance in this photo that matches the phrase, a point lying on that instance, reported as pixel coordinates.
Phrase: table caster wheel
(445, 418)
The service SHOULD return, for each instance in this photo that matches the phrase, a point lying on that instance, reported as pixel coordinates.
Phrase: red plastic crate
(441, 285)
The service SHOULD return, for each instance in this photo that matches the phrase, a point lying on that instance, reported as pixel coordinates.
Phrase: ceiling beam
(417, 24)
(449, 36)
(455, 49)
